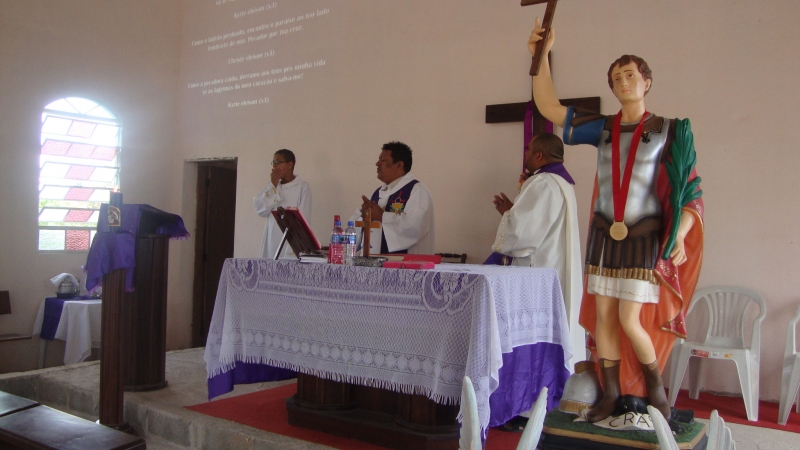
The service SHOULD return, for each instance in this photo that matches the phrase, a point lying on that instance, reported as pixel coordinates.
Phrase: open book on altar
(296, 231)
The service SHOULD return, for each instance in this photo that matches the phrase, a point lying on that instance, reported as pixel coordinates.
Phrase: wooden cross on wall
(515, 112)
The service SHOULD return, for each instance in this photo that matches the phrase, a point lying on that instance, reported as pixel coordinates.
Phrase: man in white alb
(540, 228)
(403, 205)
(285, 189)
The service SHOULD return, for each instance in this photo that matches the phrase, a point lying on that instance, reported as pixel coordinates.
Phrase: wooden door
(216, 211)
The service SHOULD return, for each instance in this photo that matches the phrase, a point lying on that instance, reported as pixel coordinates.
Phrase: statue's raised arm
(544, 93)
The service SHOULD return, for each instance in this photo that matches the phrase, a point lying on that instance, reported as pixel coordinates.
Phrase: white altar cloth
(79, 327)
(411, 331)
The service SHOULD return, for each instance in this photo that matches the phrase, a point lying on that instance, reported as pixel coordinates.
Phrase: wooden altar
(378, 416)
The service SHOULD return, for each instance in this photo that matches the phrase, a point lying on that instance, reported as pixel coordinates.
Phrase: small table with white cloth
(409, 331)
(75, 320)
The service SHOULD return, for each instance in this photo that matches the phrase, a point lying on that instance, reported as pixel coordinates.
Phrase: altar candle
(115, 211)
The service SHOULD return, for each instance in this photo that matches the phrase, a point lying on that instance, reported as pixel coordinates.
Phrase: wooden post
(111, 361)
(144, 347)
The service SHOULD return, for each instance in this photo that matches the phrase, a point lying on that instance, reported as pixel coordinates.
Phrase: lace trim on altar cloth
(395, 386)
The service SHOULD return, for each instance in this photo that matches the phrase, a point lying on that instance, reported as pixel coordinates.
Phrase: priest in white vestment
(403, 206)
(540, 228)
(285, 189)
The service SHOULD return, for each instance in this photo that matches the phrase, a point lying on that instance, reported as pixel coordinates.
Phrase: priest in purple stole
(403, 205)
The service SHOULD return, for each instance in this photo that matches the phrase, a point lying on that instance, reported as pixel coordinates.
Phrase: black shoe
(515, 425)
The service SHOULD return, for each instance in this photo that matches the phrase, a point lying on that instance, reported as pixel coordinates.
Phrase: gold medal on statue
(619, 188)
(618, 231)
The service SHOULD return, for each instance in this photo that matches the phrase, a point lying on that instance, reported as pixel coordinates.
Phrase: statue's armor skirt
(632, 258)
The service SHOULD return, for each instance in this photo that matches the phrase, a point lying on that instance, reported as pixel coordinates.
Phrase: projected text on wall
(264, 45)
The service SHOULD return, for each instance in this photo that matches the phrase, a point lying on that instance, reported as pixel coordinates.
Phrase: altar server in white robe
(403, 205)
(540, 227)
(285, 189)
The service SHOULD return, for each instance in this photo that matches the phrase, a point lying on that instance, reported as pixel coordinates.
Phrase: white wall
(421, 72)
(123, 54)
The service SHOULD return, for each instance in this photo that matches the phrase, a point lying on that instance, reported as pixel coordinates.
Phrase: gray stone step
(159, 416)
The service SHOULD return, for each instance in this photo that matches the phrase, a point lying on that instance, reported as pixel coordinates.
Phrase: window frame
(44, 182)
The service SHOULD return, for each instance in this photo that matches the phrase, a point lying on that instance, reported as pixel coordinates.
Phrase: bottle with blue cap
(350, 237)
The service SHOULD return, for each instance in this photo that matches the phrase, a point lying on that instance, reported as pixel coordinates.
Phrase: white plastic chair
(470, 437)
(533, 430)
(719, 435)
(664, 434)
(727, 306)
(790, 378)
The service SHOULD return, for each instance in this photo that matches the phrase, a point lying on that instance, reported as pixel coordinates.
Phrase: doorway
(216, 220)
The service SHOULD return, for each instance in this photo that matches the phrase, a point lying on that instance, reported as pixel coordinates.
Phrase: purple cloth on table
(246, 373)
(53, 307)
(524, 372)
(498, 259)
(109, 252)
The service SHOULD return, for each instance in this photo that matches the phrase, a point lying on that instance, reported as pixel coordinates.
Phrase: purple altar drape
(525, 371)
(117, 250)
(131, 215)
(109, 252)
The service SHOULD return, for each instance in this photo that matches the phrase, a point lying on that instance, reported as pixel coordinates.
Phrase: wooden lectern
(134, 324)
(144, 325)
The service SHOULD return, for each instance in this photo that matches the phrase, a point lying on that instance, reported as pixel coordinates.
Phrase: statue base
(562, 433)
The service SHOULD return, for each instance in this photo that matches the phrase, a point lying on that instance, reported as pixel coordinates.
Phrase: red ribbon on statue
(618, 230)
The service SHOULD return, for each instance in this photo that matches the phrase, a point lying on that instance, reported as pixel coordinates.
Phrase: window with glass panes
(78, 167)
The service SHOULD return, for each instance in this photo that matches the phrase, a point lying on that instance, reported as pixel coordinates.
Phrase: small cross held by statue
(549, 12)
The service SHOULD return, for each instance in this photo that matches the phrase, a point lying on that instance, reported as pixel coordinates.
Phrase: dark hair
(400, 152)
(288, 155)
(550, 145)
(624, 60)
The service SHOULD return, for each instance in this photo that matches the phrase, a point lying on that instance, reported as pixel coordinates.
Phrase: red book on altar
(418, 265)
(436, 259)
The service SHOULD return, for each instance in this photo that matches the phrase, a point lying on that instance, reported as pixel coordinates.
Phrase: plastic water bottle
(350, 237)
(336, 249)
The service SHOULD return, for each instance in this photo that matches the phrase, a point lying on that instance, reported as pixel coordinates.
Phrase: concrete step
(158, 416)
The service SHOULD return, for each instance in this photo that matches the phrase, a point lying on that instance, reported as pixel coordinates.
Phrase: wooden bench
(24, 425)
(10, 404)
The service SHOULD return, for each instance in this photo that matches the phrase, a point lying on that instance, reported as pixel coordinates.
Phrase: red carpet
(731, 409)
(266, 410)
